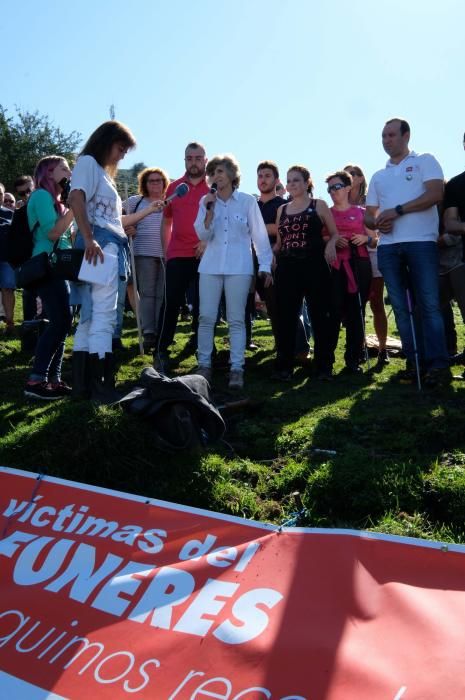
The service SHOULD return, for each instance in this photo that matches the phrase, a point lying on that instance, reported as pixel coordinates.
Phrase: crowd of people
(200, 238)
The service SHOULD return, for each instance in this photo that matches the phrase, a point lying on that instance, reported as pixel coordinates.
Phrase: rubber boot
(81, 376)
(103, 379)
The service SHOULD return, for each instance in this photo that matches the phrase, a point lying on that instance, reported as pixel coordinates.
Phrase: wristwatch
(399, 210)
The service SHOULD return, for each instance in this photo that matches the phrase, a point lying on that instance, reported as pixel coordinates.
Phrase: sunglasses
(354, 173)
(336, 187)
(24, 192)
(9, 201)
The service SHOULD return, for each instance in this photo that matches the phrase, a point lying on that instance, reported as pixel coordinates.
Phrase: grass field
(396, 460)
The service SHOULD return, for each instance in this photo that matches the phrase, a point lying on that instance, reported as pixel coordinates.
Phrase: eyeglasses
(336, 187)
(8, 201)
(24, 192)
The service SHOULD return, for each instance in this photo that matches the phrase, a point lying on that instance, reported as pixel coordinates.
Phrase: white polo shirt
(400, 183)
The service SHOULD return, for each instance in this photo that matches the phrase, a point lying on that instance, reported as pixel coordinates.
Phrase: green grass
(398, 467)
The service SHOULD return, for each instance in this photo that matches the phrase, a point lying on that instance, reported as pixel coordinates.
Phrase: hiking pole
(360, 305)
(134, 283)
(412, 326)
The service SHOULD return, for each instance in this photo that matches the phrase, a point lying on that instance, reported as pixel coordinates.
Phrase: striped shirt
(148, 239)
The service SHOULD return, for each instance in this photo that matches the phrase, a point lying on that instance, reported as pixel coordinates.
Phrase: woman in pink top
(357, 196)
(351, 270)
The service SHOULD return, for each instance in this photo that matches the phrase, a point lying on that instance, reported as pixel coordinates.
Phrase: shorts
(7, 276)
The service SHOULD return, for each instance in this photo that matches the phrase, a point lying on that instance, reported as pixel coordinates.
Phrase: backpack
(19, 238)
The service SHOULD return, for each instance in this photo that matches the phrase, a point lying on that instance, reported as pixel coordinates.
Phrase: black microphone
(65, 185)
(181, 190)
(213, 189)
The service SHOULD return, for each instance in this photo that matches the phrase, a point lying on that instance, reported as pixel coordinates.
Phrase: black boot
(81, 376)
(103, 379)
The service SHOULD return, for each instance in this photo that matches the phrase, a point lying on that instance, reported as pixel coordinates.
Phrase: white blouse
(236, 224)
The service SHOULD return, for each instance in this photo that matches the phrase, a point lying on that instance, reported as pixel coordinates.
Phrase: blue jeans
(416, 265)
(51, 344)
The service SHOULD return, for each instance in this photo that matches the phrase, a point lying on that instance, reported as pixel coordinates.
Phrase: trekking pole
(134, 283)
(360, 305)
(412, 326)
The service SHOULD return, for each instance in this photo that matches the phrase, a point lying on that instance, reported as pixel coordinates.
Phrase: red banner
(108, 595)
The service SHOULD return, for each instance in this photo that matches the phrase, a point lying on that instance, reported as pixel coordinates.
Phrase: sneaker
(205, 372)
(61, 388)
(161, 361)
(41, 390)
(236, 379)
(437, 377)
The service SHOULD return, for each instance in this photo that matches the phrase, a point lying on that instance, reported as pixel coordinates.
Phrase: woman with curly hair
(227, 222)
(148, 249)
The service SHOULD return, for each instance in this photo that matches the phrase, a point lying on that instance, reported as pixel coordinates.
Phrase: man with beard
(182, 250)
(268, 203)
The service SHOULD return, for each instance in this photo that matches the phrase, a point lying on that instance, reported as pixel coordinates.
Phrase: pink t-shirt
(183, 211)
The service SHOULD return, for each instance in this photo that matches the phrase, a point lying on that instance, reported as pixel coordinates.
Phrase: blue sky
(305, 81)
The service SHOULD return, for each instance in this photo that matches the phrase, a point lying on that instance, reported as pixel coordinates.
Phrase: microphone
(65, 185)
(181, 190)
(213, 189)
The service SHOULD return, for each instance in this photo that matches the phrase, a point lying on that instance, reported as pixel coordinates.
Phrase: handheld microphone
(181, 190)
(213, 189)
(65, 185)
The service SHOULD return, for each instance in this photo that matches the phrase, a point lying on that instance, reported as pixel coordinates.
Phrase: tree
(28, 137)
(137, 168)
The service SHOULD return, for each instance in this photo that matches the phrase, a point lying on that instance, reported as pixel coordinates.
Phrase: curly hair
(231, 166)
(144, 175)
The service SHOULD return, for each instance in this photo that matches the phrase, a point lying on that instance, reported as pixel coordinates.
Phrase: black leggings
(349, 308)
(296, 279)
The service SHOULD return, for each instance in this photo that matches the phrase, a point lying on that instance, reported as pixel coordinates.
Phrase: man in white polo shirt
(401, 204)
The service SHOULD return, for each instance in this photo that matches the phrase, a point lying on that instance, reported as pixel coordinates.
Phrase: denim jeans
(51, 344)
(236, 289)
(416, 265)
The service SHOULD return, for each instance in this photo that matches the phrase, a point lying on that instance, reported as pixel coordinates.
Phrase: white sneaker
(236, 379)
(205, 372)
